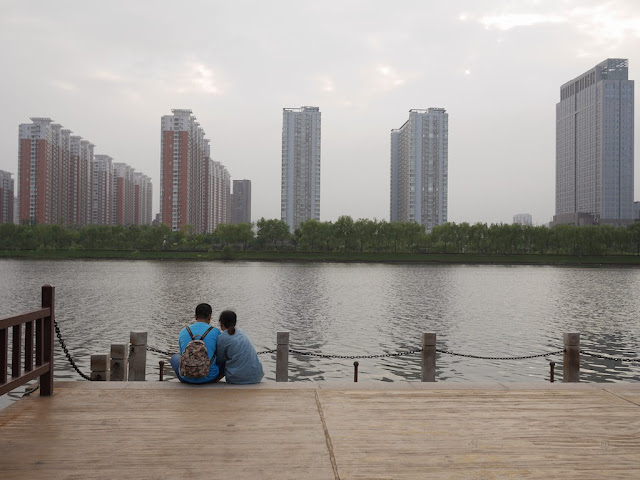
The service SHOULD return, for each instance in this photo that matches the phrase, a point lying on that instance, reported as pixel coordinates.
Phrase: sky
(109, 70)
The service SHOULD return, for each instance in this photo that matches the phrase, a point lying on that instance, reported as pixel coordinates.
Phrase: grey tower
(419, 168)
(594, 147)
(300, 198)
(241, 202)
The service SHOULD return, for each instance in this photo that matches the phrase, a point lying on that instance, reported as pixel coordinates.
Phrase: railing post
(428, 370)
(138, 359)
(571, 357)
(100, 367)
(119, 362)
(48, 301)
(282, 357)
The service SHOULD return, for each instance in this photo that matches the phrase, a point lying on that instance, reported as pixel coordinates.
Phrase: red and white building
(62, 181)
(194, 190)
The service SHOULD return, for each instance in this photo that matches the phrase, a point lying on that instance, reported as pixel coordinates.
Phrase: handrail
(44, 319)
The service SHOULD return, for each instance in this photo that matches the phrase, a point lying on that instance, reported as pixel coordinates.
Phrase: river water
(348, 309)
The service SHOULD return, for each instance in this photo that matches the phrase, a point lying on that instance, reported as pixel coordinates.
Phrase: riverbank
(418, 258)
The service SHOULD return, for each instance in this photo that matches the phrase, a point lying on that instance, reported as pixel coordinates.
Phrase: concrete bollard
(138, 359)
(571, 357)
(100, 368)
(428, 367)
(119, 362)
(282, 357)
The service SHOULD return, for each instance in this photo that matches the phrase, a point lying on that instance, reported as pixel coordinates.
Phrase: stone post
(100, 367)
(571, 357)
(138, 359)
(282, 357)
(428, 370)
(119, 362)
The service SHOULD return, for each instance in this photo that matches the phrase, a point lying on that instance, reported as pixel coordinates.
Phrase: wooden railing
(43, 320)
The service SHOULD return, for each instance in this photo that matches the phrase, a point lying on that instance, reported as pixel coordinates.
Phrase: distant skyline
(112, 70)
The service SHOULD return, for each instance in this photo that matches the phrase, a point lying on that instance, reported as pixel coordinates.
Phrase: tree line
(343, 235)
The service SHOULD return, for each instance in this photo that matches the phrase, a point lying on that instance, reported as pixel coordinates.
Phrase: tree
(272, 231)
(344, 230)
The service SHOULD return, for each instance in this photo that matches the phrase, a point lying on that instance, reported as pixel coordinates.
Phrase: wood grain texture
(140, 430)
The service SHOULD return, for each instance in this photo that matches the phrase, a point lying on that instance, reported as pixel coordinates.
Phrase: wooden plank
(48, 301)
(570, 431)
(24, 317)
(24, 378)
(16, 351)
(28, 346)
(477, 434)
(4, 354)
(109, 433)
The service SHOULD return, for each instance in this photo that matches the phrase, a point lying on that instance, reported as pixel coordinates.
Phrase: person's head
(228, 321)
(203, 312)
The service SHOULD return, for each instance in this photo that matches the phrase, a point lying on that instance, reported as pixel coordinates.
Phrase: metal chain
(266, 351)
(354, 357)
(523, 357)
(615, 359)
(157, 350)
(411, 352)
(66, 352)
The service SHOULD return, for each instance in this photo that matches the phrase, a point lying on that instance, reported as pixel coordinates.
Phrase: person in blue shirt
(202, 324)
(237, 358)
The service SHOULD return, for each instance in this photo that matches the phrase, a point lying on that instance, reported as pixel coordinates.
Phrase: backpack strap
(205, 333)
(193, 337)
(189, 332)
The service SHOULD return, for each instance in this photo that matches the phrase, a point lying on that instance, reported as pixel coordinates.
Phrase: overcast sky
(109, 70)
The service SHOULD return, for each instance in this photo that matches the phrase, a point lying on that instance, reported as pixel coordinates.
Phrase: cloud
(62, 85)
(199, 78)
(507, 21)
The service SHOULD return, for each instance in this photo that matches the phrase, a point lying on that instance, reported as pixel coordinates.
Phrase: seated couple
(228, 354)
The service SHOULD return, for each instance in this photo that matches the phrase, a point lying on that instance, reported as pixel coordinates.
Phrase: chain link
(481, 357)
(354, 357)
(157, 350)
(266, 351)
(411, 352)
(66, 351)
(615, 359)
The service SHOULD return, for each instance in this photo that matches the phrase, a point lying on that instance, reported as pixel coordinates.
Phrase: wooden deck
(152, 430)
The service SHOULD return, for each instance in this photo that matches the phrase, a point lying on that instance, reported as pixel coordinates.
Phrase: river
(348, 309)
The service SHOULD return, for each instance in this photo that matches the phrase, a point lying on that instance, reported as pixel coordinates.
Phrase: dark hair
(228, 319)
(203, 311)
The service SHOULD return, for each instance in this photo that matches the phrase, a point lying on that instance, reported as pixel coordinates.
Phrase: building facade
(102, 190)
(241, 202)
(419, 168)
(6, 197)
(301, 139)
(594, 146)
(194, 189)
(523, 219)
(62, 181)
(142, 198)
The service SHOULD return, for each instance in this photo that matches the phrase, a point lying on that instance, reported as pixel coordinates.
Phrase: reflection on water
(348, 309)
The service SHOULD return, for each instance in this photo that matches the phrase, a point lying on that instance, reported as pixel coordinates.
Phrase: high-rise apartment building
(102, 190)
(522, 219)
(6, 197)
(594, 147)
(300, 198)
(419, 168)
(143, 193)
(123, 190)
(194, 189)
(34, 170)
(61, 180)
(241, 202)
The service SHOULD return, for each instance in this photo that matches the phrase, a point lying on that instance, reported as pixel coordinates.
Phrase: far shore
(338, 257)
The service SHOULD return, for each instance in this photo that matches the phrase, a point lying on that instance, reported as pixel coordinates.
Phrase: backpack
(194, 361)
